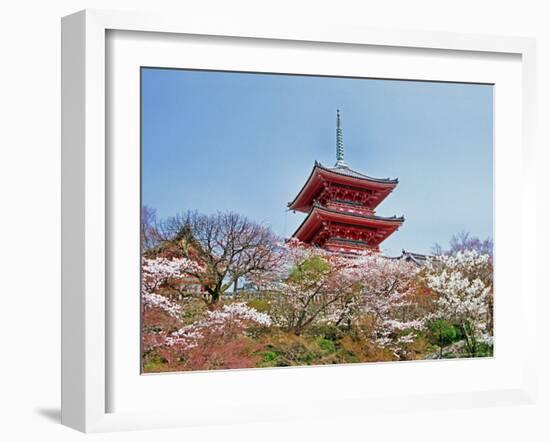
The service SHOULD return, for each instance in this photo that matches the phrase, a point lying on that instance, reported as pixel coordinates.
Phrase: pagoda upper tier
(330, 185)
(340, 204)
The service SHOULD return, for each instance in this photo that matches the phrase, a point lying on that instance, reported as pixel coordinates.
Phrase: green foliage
(154, 329)
(311, 268)
(326, 345)
(153, 363)
(292, 352)
(261, 305)
(287, 349)
(443, 333)
(269, 356)
(483, 350)
(327, 331)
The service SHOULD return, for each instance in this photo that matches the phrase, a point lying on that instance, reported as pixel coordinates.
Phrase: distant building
(416, 258)
(249, 287)
(191, 285)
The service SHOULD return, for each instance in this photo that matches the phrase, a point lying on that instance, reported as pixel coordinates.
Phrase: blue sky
(247, 142)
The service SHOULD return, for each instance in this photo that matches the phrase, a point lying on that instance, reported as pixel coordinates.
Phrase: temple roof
(417, 258)
(342, 175)
(345, 170)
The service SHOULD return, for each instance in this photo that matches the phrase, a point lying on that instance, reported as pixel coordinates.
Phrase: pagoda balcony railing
(348, 208)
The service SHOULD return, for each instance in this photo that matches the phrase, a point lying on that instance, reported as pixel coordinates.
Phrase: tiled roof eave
(355, 174)
(396, 219)
(316, 207)
(290, 204)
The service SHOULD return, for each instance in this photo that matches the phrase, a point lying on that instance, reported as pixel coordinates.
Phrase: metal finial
(339, 142)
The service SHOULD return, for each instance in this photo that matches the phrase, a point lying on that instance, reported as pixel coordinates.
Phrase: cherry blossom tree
(216, 340)
(154, 301)
(386, 296)
(228, 247)
(166, 274)
(228, 321)
(309, 281)
(464, 294)
(320, 286)
(160, 312)
(370, 303)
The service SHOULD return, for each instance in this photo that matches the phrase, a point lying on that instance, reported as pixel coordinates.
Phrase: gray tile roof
(344, 170)
(417, 258)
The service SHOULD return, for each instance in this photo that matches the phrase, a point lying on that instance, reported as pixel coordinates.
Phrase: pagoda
(340, 204)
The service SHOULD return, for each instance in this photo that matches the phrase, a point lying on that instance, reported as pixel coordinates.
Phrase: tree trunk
(470, 341)
(214, 300)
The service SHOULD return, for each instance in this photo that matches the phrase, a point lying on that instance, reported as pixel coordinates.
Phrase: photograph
(292, 220)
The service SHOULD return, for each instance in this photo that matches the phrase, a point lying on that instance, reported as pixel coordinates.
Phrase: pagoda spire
(339, 142)
(341, 207)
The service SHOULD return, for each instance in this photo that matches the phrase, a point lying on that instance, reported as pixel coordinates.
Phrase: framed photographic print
(250, 214)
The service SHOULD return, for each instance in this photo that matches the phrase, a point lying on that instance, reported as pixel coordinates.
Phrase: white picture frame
(85, 210)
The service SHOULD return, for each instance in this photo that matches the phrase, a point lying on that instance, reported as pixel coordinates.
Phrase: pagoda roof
(318, 214)
(340, 175)
(347, 171)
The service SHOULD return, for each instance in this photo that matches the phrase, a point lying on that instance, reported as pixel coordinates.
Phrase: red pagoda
(340, 204)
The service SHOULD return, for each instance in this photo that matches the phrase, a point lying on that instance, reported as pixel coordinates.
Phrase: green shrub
(154, 363)
(311, 268)
(443, 334)
(326, 345)
(269, 356)
(327, 331)
(259, 304)
(483, 350)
